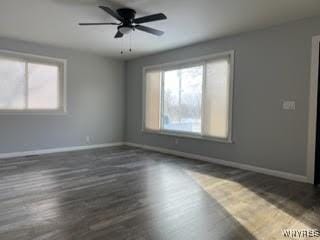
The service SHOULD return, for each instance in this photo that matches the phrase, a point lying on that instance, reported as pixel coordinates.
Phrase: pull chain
(130, 50)
(123, 43)
(122, 46)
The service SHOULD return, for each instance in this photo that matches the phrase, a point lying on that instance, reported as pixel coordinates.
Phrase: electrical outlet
(88, 139)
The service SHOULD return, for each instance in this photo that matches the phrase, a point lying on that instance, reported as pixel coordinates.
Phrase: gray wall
(270, 66)
(95, 104)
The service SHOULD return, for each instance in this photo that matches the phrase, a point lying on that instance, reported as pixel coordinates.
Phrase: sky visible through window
(182, 99)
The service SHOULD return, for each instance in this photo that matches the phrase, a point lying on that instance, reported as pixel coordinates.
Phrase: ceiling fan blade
(112, 13)
(97, 24)
(150, 18)
(149, 30)
(118, 35)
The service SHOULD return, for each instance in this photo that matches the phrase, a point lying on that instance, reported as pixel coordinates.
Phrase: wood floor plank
(129, 193)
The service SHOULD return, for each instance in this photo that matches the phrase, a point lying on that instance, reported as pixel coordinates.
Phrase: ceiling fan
(128, 22)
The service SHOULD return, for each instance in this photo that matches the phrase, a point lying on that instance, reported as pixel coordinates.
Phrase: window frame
(62, 82)
(181, 64)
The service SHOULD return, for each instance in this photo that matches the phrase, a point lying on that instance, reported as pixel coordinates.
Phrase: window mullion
(203, 95)
(161, 98)
(26, 85)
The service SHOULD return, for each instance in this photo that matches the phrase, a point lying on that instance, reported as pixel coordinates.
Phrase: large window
(31, 83)
(191, 98)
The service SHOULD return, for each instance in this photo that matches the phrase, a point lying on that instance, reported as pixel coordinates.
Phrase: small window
(192, 98)
(31, 83)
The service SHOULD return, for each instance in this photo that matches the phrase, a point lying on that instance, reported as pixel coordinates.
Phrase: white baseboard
(276, 173)
(57, 150)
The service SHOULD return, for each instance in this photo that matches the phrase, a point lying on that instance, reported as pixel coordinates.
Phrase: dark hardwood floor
(129, 193)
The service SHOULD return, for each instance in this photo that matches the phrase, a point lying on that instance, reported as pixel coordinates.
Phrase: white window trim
(62, 83)
(183, 63)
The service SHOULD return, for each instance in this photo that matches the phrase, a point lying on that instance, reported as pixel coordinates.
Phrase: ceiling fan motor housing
(127, 14)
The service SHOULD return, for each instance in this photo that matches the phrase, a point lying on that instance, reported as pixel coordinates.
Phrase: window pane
(12, 84)
(152, 100)
(43, 86)
(182, 99)
(216, 103)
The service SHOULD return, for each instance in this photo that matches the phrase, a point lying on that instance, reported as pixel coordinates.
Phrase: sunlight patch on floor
(263, 219)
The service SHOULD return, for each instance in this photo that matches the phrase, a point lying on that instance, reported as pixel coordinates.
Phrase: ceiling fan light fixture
(125, 30)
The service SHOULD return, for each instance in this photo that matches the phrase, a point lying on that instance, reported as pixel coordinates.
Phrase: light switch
(288, 105)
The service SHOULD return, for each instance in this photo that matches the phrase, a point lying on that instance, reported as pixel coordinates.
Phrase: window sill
(188, 135)
(35, 112)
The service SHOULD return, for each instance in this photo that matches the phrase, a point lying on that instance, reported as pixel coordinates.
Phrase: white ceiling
(54, 22)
